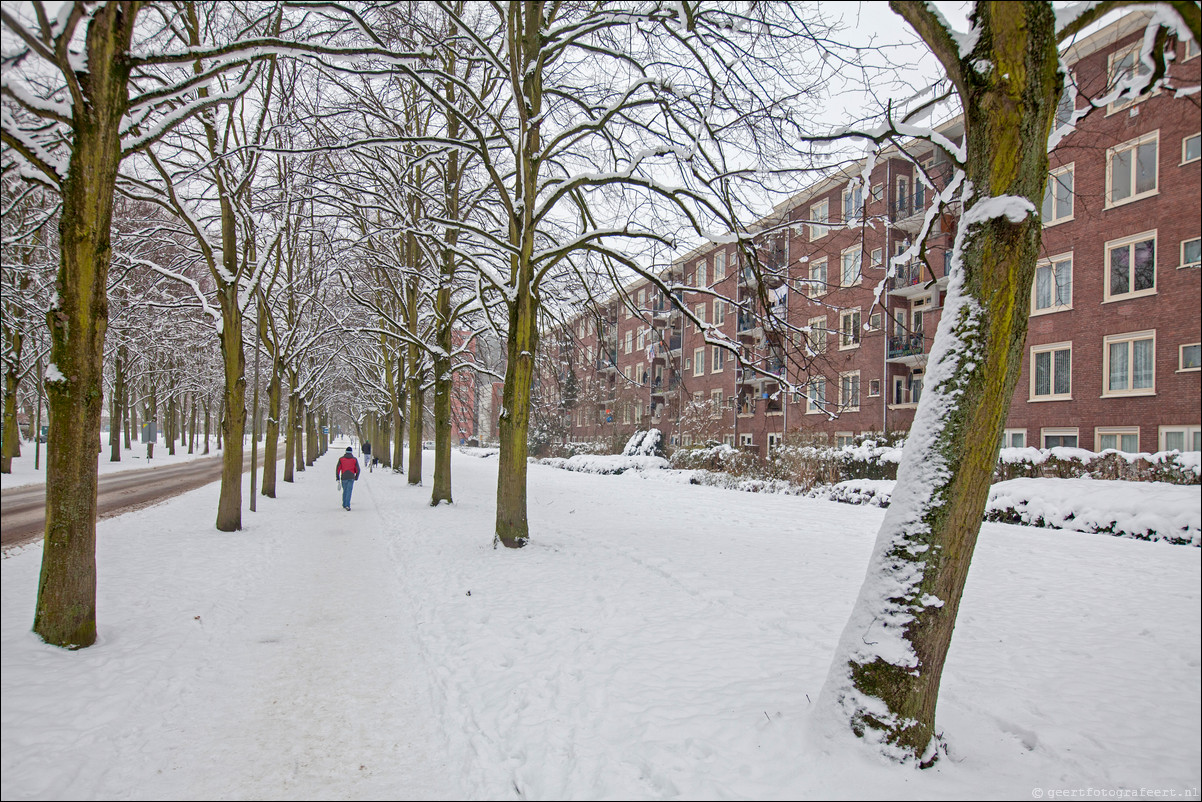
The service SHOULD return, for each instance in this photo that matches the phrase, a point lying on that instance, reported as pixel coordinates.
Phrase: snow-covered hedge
(1173, 467)
(605, 463)
(1137, 510)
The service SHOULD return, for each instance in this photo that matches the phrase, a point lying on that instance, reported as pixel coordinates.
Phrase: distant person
(346, 472)
(366, 451)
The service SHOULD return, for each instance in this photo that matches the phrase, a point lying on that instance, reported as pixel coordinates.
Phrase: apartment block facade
(817, 342)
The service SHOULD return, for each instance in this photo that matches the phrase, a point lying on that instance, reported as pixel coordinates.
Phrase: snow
(667, 646)
(131, 459)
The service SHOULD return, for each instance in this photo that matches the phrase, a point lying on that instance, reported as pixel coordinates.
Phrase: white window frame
(1054, 263)
(1054, 180)
(717, 359)
(877, 257)
(1131, 338)
(1008, 436)
(699, 313)
(819, 286)
(857, 260)
(845, 404)
(852, 211)
(1129, 242)
(874, 383)
(1117, 432)
(844, 439)
(746, 438)
(1196, 262)
(1051, 348)
(844, 345)
(642, 340)
(719, 312)
(775, 439)
(1133, 145)
(719, 266)
(728, 439)
(1187, 432)
(699, 361)
(1059, 431)
(818, 336)
(1181, 368)
(1112, 79)
(702, 278)
(629, 341)
(1184, 147)
(815, 402)
(819, 224)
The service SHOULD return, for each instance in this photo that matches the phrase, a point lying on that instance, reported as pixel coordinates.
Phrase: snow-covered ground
(131, 459)
(655, 640)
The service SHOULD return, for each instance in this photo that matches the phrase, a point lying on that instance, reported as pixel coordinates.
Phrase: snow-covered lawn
(655, 640)
(131, 459)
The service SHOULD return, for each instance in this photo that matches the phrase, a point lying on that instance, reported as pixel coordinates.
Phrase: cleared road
(24, 508)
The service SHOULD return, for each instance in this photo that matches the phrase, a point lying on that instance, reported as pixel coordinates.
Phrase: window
(1132, 170)
(849, 329)
(699, 312)
(775, 439)
(1014, 438)
(699, 361)
(686, 440)
(728, 439)
(629, 340)
(853, 202)
(815, 395)
(1125, 64)
(874, 388)
(878, 257)
(817, 278)
(902, 206)
(851, 260)
(844, 439)
(1191, 252)
(719, 312)
(849, 391)
(816, 335)
(1191, 148)
(1053, 290)
(1131, 267)
(1051, 372)
(719, 266)
(1190, 357)
(701, 277)
(642, 340)
(1058, 196)
(819, 216)
(1066, 107)
(643, 299)
(1191, 49)
(916, 386)
(1180, 438)
(1129, 364)
(1059, 438)
(1117, 438)
(746, 440)
(717, 359)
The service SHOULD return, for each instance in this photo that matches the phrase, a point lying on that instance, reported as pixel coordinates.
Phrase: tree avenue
(392, 201)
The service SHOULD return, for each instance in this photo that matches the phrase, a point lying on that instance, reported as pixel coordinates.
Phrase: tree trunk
(442, 420)
(208, 425)
(416, 403)
(884, 681)
(513, 529)
(271, 443)
(12, 432)
(66, 605)
(290, 440)
(299, 423)
(115, 414)
(398, 423)
(169, 426)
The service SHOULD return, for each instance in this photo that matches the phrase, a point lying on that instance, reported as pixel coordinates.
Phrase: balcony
(907, 349)
(916, 278)
(674, 343)
(749, 326)
(607, 359)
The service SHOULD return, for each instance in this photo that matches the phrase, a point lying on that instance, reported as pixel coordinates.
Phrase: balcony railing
(747, 321)
(906, 345)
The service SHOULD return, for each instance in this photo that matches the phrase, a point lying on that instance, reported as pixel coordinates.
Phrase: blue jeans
(347, 486)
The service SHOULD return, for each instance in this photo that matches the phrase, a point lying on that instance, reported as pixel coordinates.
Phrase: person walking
(346, 472)
(365, 449)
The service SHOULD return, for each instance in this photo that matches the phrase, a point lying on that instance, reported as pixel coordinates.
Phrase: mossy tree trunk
(290, 438)
(525, 23)
(66, 605)
(271, 441)
(884, 682)
(115, 407)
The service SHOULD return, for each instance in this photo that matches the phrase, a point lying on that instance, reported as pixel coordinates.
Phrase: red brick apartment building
(1113, 345)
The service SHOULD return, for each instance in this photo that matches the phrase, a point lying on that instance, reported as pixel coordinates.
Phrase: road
(24, 507)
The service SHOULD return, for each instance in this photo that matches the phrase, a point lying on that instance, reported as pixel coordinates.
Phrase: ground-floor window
(1014, 438)
(1181, 438)
(1059, 438)
(1119, 438)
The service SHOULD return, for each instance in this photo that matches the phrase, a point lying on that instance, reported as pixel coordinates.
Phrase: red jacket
(346, 463)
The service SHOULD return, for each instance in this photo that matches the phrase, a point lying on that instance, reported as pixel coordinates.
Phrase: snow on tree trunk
(884, 680)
